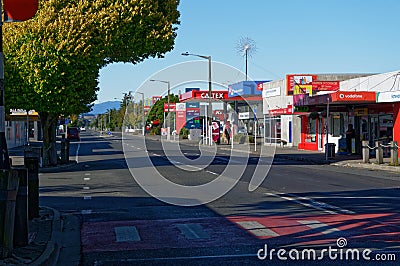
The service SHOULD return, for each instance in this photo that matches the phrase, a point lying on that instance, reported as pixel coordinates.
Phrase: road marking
(313, 224)
(86, 178)
(87, 174)
(126, 234)
(86, 188)
(87, 197)
(312, 203)
(257, 229)
(192, 231)
(87, 166)
(77, 152)
(211, 172)
(86, 211)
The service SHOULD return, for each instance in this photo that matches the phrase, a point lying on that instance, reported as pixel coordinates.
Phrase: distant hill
(101, 108)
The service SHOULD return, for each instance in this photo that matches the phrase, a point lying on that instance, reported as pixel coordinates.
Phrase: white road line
(86, 211)
(86, 188)
(77, 153)
(302, 203)
(211, 173)
(314, 224)
(257, 229)
(87, 173)
(86, 179)
(87, 197)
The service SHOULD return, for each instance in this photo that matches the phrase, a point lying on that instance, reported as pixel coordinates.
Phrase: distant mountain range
(101, 108)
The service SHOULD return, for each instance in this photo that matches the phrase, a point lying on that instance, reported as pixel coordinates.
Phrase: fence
(379, 148)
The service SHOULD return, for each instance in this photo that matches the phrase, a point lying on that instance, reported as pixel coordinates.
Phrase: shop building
(247, 115)
(368, 102)
(281, 125)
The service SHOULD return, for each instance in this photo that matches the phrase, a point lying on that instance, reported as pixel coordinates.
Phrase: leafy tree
(52, 61)
(157, 110)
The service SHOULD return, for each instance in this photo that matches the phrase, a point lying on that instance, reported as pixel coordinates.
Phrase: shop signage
(270, 92)
(244, 115)
(388, 97)
(360, 111)
(325, 85)
(353, 96)
(192, 105)
(282, 111)
(154, 99)
(218, 95)
(299, 83)
(301, 109)
(172, 107)
(245, 88)
(180, 107)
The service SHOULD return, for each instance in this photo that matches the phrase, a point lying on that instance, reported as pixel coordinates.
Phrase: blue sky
(304, 36)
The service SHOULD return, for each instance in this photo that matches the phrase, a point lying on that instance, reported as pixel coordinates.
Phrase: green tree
(157, 110)
(52, 61)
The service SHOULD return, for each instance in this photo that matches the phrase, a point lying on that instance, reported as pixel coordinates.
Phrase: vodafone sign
(350, 96)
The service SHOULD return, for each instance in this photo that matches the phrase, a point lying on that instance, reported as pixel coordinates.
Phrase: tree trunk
(49, 123)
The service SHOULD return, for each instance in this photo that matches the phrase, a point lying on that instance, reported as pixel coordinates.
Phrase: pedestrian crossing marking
(257, 229)
(192, 231)
(314, 224)
(126, 234)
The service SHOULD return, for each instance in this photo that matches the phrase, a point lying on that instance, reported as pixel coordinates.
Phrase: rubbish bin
(330, 149)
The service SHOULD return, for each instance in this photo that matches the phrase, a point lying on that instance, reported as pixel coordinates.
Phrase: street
(297, 206)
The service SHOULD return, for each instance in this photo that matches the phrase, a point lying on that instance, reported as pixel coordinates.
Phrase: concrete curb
(52, 251)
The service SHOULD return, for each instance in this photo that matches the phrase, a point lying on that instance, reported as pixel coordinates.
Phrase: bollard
(365, 151)
(67, 150)
(394, 153)
(63, 151)
(21, 208)
(8, 194)
(32, 163)
(379, 152)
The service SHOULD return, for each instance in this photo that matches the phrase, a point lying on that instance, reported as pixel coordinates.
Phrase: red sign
(260, 86)
(282, 111)
(219, 114)
(326, 85)
(353, 96)
(172, 107)
(299, 83)
(154, 99)
(20, 9)
(216, 95)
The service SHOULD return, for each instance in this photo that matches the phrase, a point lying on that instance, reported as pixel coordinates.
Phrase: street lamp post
(209, 110)
(168, 99)
(142, 111)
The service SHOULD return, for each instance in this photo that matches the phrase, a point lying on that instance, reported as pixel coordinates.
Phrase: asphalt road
(297, 206)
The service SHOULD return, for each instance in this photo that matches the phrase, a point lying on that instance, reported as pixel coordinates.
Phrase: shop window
(311, 131)
(336, 125)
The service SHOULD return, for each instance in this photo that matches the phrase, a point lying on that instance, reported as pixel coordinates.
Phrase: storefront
(246, 99)
(332, 113)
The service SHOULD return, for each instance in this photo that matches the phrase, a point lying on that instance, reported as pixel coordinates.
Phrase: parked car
(73, 133)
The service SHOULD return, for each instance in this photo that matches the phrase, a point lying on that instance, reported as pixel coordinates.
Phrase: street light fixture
(209, 93)
(168, 99)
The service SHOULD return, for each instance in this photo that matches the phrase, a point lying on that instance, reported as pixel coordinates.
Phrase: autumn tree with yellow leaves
(52, 61)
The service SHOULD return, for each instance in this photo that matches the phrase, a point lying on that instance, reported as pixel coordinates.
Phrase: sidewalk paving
(52, 232)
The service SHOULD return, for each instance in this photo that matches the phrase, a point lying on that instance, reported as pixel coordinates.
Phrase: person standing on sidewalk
(227, 131)
(350, 134)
